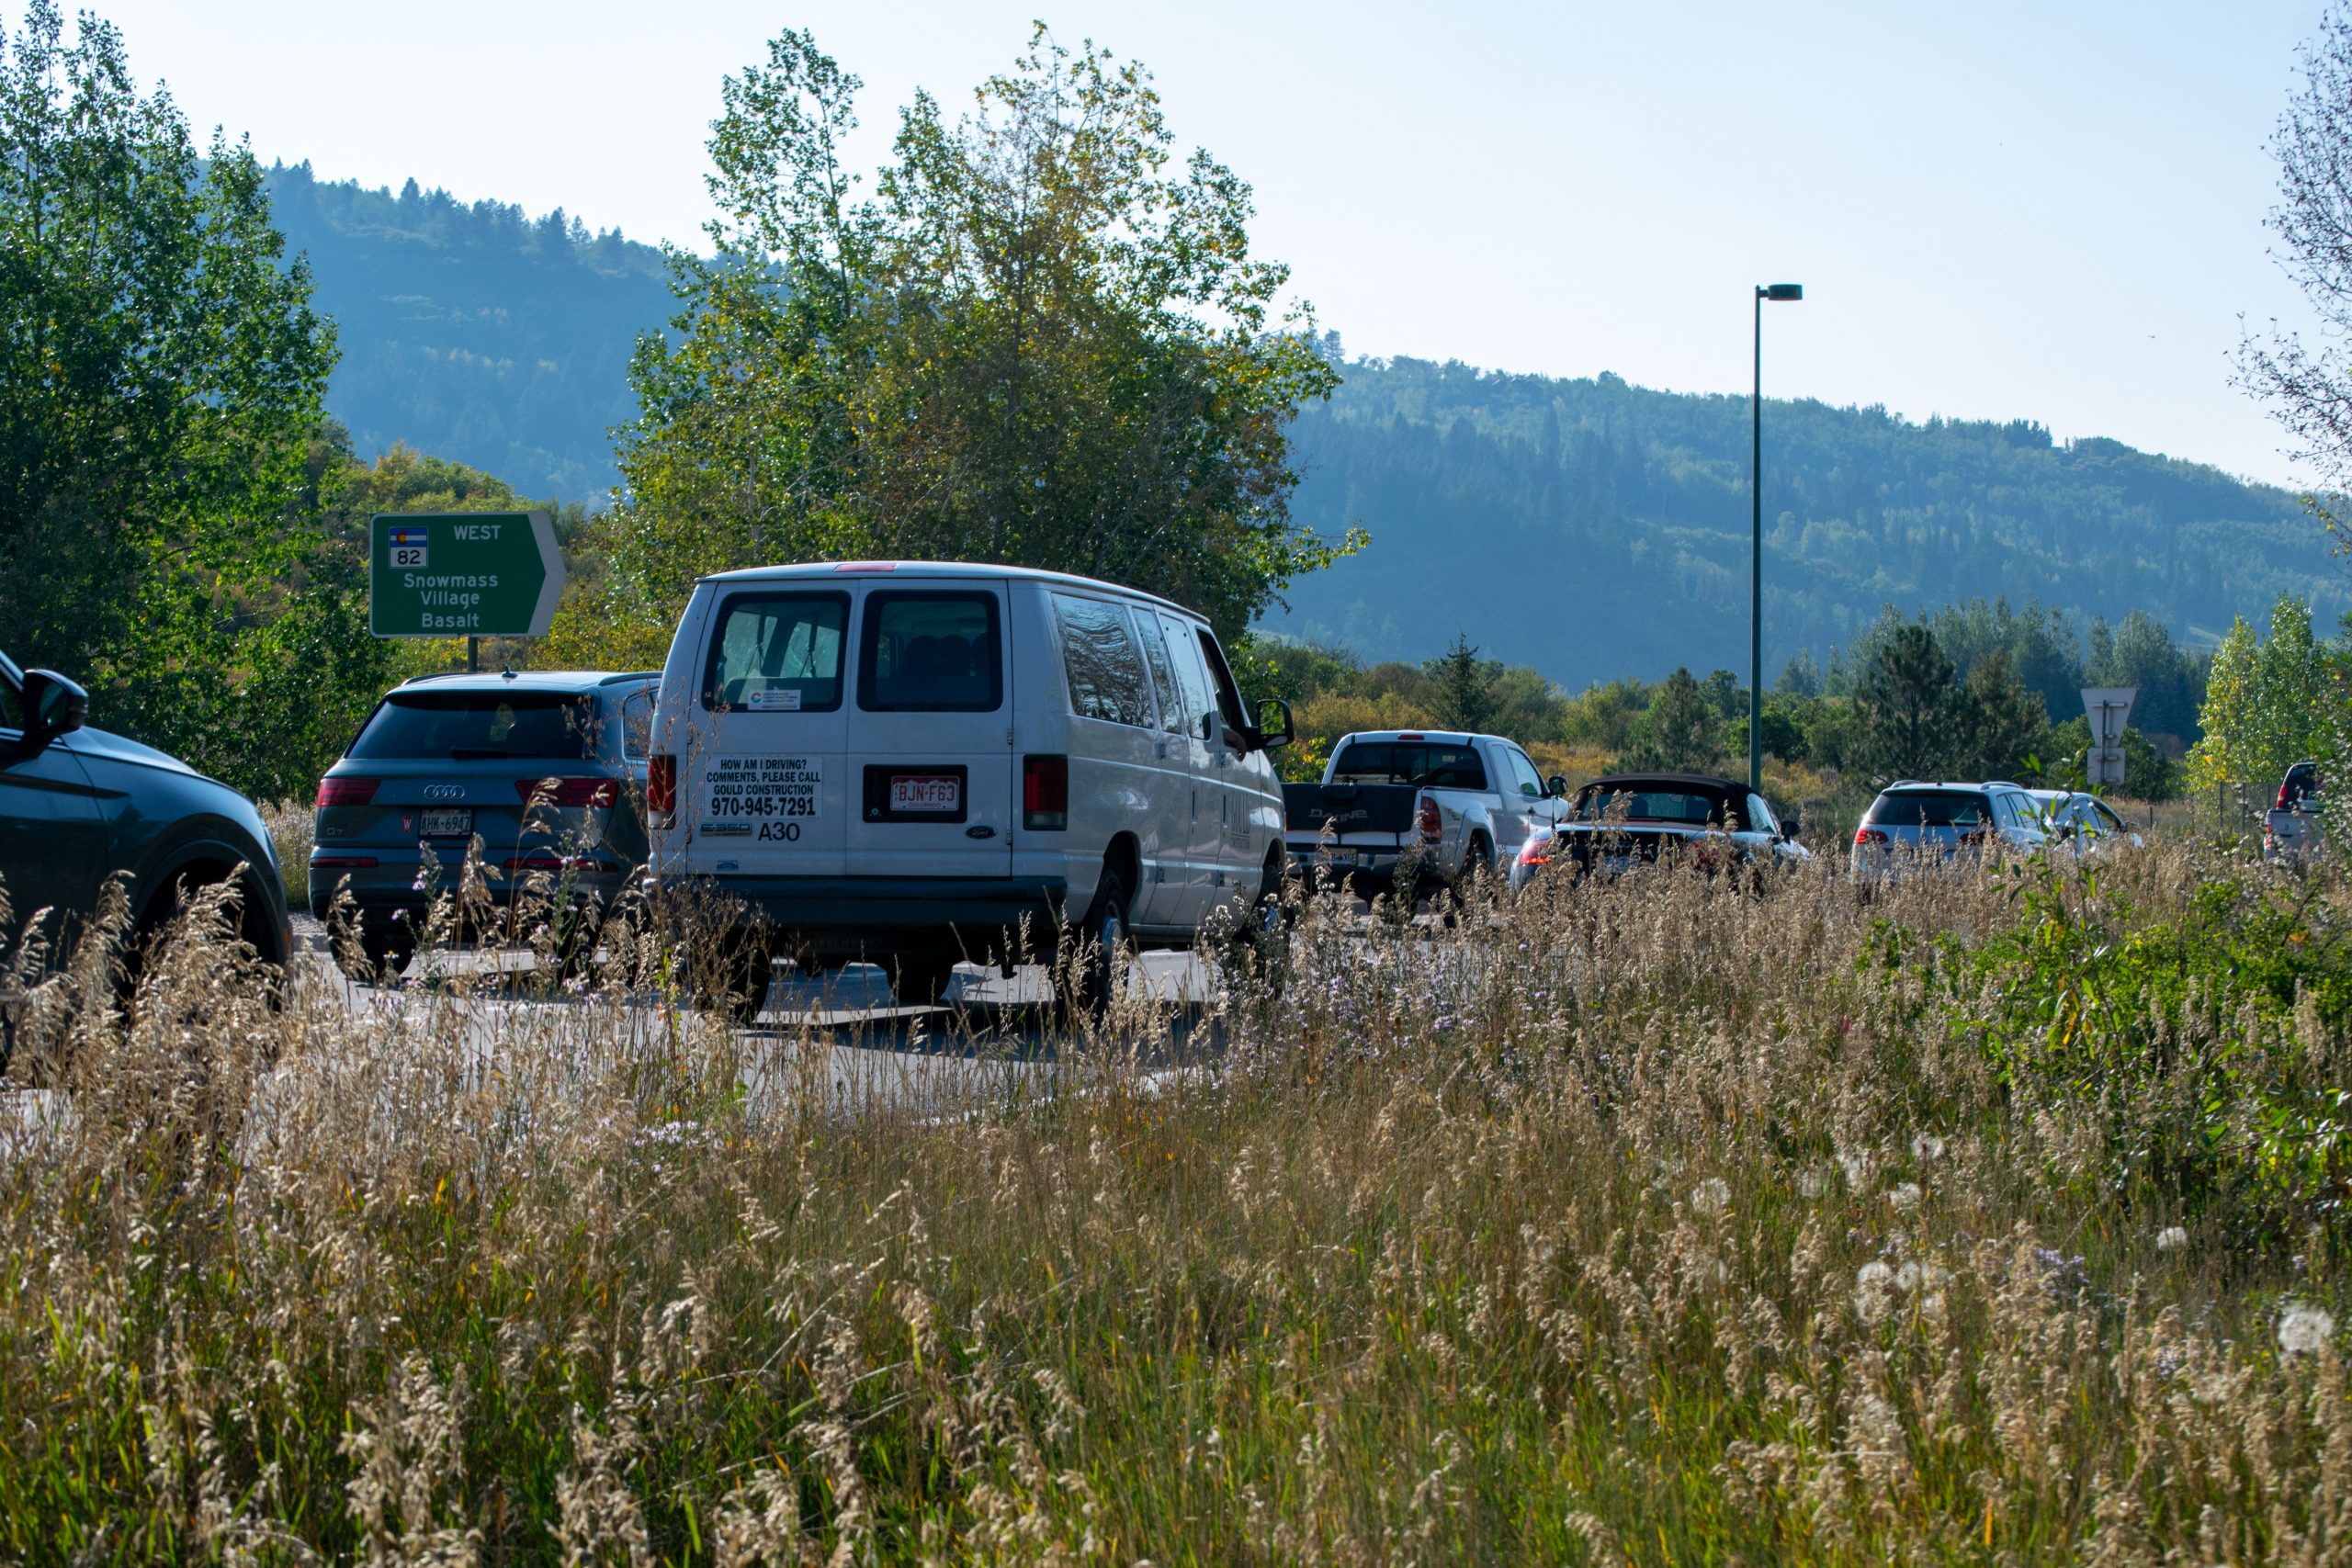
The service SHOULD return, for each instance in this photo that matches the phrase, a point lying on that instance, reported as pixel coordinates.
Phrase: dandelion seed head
(2304, 1329)
(1710, 1196)
(2172, 1238)
(1871, 1290)
(1926, 1145)
(1905, 1195)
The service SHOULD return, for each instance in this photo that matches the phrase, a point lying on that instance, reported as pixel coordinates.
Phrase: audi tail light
(1432, 823)
(661, 786)
(1867, 836)
(1045, 793)
(343, 862)
(345, 792)
(1535, 851)
(568, 791)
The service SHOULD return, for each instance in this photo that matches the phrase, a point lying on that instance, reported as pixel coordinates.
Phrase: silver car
(547, 769)
(1916, 822)
(2084, 823)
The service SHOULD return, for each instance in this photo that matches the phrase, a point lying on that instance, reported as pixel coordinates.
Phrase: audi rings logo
(444, 792)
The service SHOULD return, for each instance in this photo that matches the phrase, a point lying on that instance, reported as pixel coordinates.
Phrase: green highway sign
(462, 574)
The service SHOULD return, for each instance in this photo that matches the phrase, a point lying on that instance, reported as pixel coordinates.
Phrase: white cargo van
(905, 761)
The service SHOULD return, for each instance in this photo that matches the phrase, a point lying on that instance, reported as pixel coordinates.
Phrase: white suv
(905, 762)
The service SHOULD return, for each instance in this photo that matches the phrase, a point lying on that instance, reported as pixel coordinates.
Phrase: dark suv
(78, 805)
(546, 768)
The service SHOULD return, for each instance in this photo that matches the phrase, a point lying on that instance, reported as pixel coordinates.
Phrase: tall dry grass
(1665, 1221)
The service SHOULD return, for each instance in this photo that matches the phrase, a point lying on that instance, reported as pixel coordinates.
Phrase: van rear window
(546, 726)
(777, 653)
(930, 653)
(1931, 808)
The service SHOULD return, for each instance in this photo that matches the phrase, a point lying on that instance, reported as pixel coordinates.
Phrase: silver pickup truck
(1420, 807)
(2292, 829)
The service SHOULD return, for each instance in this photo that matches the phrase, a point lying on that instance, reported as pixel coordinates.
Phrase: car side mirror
(1276, 729)
(1208, 727)
(1558, 785)
(54, 707)
(1793, 830)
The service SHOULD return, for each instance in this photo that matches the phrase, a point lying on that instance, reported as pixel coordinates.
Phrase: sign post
(2108, 708)
(469, 574)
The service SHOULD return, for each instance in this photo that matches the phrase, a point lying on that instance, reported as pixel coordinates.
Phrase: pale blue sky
(2048, 212)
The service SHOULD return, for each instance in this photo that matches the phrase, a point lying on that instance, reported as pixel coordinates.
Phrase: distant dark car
(78, 805)
(1625, 821)
(547, 767)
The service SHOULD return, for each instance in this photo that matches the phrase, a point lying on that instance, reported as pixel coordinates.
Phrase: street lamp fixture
(1778, 294)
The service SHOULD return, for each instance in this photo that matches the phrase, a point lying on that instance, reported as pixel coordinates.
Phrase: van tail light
(1866, 835)
(1044, 793)
(347, 792)
(2285, 785)
(661, 786)
(567, 792)
(1432, 823)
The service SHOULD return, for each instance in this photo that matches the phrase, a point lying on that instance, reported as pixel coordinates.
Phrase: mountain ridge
(1511, 507)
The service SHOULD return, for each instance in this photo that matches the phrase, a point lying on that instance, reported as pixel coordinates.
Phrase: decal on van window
(777, 653)
(763, 798)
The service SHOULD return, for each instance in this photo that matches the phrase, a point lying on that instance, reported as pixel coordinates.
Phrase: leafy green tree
(2141, 653)
(1908, 701)
(2270, 703)
(1679, 730)
(1465, 695)
(2006, 728)
(1800, 677)
(160, 377)
(1035, 341)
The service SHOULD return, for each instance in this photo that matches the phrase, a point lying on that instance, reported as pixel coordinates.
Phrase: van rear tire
(1085, 975)
(921, 978)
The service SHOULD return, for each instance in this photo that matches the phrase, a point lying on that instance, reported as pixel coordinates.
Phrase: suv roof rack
(438, 675)
(629, 675)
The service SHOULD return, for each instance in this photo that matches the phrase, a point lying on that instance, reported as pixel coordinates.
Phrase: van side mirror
(1276, 729)
(1209, 727)
(54, 707)
(1558, 785)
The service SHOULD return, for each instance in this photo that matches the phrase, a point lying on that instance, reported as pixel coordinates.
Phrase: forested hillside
(476, 332)
(1591, 528)
(1594, 528)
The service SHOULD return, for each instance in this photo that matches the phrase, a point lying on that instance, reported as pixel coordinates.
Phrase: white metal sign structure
(2108, 708)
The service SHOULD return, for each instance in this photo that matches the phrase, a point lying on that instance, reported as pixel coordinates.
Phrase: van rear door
(763, 783)
(931, 732)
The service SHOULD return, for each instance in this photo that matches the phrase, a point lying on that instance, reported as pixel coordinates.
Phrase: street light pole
(1778, 293)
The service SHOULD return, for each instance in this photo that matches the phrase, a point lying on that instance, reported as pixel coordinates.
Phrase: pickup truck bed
(1360, 831)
